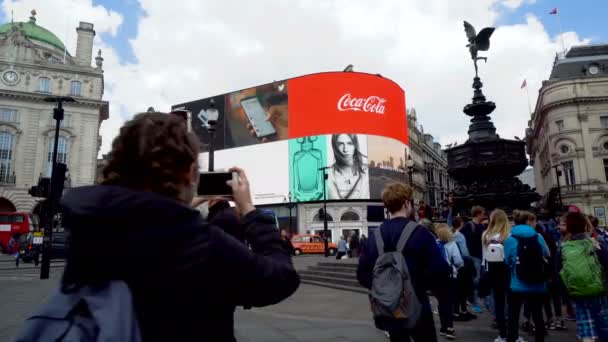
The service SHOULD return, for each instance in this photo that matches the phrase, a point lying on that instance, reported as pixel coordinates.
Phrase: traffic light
(42, 189)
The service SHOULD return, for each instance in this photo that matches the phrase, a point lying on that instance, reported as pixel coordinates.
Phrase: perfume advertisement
(306, 156)
(348, 173)
(387, 163)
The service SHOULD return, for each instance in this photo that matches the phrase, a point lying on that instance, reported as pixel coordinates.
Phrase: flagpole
(528, 97)
(561, 33)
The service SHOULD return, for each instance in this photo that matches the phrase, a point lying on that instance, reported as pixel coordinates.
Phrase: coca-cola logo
(370, 104)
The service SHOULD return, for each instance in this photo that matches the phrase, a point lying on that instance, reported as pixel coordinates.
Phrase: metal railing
(584, 188)
(7, 179)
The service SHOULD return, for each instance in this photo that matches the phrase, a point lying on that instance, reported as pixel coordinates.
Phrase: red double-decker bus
(12, 224)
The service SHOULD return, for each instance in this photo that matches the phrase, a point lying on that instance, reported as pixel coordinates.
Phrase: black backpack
(532, 266)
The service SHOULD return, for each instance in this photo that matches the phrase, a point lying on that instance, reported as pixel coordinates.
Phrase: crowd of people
(499, 263)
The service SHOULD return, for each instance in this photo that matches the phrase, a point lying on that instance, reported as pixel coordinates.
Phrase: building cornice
(35, 97)
(68, 68)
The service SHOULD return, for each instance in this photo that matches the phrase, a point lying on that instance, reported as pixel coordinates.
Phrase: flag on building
(524, 84)
(553, 11)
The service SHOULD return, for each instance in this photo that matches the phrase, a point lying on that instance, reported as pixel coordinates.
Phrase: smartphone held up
(214, 184)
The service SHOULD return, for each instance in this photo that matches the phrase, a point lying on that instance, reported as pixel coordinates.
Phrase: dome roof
(34, 32)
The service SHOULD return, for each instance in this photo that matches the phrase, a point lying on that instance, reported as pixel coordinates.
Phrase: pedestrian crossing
(27, 271)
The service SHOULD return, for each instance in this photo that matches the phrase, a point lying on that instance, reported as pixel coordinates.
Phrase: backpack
(392, 297)
(496, 252)
(531, 267)
(443, 252)
(88, 313)
(582, 273)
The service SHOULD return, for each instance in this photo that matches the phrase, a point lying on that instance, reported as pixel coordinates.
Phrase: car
(58, 245)
(311, 244)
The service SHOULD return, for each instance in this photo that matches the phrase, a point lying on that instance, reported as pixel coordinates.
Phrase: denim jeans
(477, 262)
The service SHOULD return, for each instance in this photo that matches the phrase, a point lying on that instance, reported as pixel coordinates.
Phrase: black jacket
(185, 275)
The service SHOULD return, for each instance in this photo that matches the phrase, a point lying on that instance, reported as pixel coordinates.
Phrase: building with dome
(35, 64)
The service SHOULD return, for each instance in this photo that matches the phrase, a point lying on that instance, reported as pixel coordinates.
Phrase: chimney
(84, 45)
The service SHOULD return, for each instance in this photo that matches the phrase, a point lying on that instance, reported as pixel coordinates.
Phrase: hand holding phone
(215, 184)
(241, 193)
(258, 118)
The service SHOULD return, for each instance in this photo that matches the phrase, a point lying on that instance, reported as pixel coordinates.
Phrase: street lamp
(558, 173)
(290, 205)
(325, 230)
(57, 183)
(410, 170)
(212, 116)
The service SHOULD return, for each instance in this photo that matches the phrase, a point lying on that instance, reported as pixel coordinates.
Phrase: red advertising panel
(346, 102)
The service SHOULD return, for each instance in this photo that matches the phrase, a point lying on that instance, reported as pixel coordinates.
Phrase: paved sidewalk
(312, 314)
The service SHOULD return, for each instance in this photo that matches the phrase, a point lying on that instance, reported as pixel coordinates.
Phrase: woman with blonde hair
(451, 253)
(494, 264)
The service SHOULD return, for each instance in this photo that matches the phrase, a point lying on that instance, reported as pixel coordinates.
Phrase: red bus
(14, 224)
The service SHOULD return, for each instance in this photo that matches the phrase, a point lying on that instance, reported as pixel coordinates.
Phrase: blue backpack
(89, 313)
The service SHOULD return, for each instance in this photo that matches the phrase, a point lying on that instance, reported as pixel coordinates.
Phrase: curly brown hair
(152, 152)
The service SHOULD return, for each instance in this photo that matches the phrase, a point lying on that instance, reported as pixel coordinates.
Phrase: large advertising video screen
(284, 133)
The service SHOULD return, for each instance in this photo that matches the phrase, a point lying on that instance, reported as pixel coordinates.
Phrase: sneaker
(461, 317)
(560, 325)
(450, 334)
(469, 315)
(476, 309)
(551, 325)
(527, 327)
(443, 332)
(500, 339)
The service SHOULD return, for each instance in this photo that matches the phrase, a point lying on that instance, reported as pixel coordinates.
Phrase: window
(568, 168)
(8, 115)
(606, 169)
(559, 124)
(316, 239)
(564, 149)
(75, 88)
(6, 156)
(606, 146)
(604, 121)
(44, 85)
(319, 217)
(62, 153)
(350, 216)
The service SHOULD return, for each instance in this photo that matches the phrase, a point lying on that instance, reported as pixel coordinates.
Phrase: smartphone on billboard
(257, 117)
(213, 184)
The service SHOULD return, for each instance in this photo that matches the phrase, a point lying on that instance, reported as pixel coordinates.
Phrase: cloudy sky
(158, 53)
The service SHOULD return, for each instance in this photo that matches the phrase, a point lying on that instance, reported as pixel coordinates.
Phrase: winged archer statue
(478, 42)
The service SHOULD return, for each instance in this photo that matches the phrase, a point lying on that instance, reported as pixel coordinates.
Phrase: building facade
(35, 64)
(431, 181)
(567, 138)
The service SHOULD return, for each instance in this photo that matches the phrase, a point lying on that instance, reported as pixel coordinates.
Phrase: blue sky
(131, 12)
(585, 17)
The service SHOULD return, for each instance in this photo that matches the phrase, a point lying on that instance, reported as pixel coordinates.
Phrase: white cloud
(202, 48)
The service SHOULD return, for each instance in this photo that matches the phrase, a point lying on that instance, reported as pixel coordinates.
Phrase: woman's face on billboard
(346, 147)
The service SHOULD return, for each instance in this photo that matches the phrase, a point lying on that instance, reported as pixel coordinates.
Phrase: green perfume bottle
(308, 180)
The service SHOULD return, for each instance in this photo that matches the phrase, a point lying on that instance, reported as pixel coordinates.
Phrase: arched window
(75, 88)
(62, 153)
(44, 85)
(350, 216)
(6, 156)
(319, 217)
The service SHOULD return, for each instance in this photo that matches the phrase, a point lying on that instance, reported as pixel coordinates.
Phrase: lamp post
(325, 229)
(558, 173)
(290, 205)
(410, 172)
(56, 187)
(212, 117)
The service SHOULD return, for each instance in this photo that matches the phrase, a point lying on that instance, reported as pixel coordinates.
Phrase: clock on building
(10, 77)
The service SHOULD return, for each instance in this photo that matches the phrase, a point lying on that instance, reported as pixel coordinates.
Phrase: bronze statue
(478, 42)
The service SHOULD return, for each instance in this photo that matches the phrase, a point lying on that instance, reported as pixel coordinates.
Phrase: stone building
(567, 138)
(431, 181)
(35, 64)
